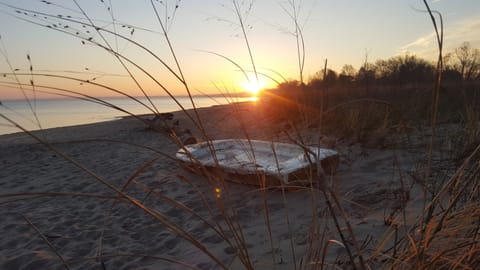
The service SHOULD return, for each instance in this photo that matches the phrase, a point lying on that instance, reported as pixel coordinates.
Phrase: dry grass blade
(109, 48)
(137, 173)
(124, 187)
(427, 214)
(339, 229)
(23, 88)
(45, 239)
(245, 37)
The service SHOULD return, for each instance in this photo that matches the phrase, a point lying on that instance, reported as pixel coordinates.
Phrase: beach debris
(259, 162)
(161, 122)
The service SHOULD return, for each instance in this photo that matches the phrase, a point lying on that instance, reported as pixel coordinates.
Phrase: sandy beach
(368, 112)
(52, 210)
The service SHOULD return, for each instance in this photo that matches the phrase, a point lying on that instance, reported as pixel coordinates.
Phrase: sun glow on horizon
(253, 85)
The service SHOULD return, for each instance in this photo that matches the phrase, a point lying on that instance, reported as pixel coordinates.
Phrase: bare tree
(468, 61)
(347, 73)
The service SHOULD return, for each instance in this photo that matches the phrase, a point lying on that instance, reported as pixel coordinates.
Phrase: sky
(206, 37)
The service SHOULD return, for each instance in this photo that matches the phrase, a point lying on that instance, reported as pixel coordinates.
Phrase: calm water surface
(68, 112)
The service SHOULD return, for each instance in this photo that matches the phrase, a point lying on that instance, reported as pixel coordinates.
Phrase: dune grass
(445, 235)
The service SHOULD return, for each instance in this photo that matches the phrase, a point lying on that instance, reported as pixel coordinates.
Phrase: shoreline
(217, 95)
(219, 111)
(72, 112)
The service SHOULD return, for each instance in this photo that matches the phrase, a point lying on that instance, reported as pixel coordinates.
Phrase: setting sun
(253, 85)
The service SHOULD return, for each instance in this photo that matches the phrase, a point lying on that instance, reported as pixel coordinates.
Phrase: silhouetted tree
(331, 77)
(451, 74)
(319, 79)
(404, 69)
(468, 61)
(289, 85)
(366, 73)
(347, 74)
(414, 69)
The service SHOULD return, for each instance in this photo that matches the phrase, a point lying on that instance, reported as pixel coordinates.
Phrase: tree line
(462, 64)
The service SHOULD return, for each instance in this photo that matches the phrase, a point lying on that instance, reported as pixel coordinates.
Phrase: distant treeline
(463, 64)
(400, 88)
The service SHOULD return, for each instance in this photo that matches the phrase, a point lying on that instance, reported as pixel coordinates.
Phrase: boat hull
(260, 163)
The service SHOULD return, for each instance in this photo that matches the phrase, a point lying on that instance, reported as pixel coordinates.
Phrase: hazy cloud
(454, 36)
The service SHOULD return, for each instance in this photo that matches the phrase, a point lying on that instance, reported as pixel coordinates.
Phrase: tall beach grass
(444, 236)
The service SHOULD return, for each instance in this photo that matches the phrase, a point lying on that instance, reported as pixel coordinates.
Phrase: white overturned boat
(247, 161)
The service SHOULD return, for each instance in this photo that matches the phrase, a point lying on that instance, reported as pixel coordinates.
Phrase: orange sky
(342, 32)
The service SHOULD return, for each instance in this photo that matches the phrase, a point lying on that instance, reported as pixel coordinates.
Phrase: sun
(253, 85)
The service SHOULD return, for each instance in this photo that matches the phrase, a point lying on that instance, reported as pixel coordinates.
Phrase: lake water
(68, 112)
